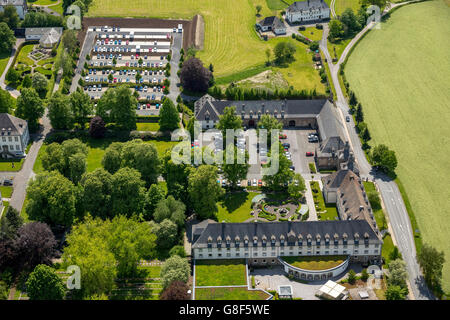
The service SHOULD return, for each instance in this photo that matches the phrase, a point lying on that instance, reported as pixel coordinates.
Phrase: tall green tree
(169, 118)
(398, 274)
(97, 190)
(296, 186)
(128, 192)
(7, 39)
(385, 158)
(336, 30)
(349, 22)
(44, 284)
(154, 195)
(166, 233)
(235, 171)
(51, 199)
(82, 107)
(170, 209)
(60, 111)
(175, 269)
(112, 160)
(432, 262)
(204, 178)
(142, 157)
(395, 293)
(7, 102)
(118, 105)
(10, 17)
(40, 84)
(284, 51)
(283, 175)
(229, 120)
(30, 107)
(269, 123)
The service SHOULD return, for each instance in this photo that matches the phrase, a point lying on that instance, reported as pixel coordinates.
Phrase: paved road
(12, 91)
(175, 60)
(333, 13)
(22, 177)
(395, 207)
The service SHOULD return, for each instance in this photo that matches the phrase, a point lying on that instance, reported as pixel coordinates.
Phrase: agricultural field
(234, 28)
(220, 273)
(398, 75)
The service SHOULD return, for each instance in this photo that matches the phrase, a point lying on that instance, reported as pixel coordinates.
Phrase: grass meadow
(400, 75)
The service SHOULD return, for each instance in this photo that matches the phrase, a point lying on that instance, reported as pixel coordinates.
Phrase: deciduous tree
(194, 76)
(169, 118)
(60, 111)
(170, 209)
(175, 269)
(177, 290)
(44, 284)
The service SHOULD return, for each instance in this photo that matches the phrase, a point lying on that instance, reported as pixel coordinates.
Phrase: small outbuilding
(50, 38)
(332, 291)
(285, 292)
(273, 24)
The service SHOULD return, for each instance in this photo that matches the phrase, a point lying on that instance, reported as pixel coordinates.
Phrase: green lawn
(335, 49)
(330, 209)
(6, 191)
(341, 5)
(235, 29)
(22, 57)
(312, 33)
(377, 210)
(387, 248)
(398, 75)
(220, 272)
(229, 294)
(315, 263)
(149, 271)
(147, 126)
(4, 58)
(276, 4)
(235, 207)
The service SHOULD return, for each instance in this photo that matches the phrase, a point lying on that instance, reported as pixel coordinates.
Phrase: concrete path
(395, 207)
(12, 91)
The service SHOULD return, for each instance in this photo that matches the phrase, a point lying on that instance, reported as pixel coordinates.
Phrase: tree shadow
(233, 201)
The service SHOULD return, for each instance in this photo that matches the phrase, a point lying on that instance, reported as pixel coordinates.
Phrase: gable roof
(13, 2)
(10, 125)
(273, 22)
(307, 5)
(351, 196)
(302, 230)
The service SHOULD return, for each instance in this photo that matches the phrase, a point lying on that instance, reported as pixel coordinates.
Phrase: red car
(310, 154)
(282, 136)
(259, 183)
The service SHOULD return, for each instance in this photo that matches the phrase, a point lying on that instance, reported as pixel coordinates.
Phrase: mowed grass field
(401, 76)
(341, 5)
(220, 272)
(231, 42)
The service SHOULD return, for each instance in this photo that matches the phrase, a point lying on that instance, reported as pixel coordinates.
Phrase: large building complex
(332, 152)
(307, 11)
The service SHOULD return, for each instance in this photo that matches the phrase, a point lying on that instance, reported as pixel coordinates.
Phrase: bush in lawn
(314, 46)
(364, 275)
(351, 276)
(175, 269)
(44, 284)
(177, 290)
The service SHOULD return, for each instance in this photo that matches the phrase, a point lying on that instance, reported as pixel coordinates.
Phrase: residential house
(14, 136)
(273, 24)
(308, 11)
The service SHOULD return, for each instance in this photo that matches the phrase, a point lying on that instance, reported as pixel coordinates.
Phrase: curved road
(393, 202)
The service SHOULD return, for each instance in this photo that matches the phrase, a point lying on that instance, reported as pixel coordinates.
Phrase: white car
(255, 183)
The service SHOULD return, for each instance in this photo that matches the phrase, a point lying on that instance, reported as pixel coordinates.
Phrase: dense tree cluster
(44, 284)
(7, 39)
(118, 105)
(107, 249)
(432, 262)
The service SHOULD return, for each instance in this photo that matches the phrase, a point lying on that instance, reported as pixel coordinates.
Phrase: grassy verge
(6, 191)
(324, 211)
(147, 126)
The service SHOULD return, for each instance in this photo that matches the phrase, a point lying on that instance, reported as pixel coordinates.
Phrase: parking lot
(133, 56)
(299, 146)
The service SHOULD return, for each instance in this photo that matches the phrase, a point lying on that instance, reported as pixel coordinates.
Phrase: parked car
(8, 182)
(347, 118)
(310, 154)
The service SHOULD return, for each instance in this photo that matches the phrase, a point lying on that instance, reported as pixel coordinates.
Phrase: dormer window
(255, 241)
(246, 243)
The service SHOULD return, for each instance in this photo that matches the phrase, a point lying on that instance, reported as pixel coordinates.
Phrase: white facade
(310, 10)
(15, 144)
(358, 252)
